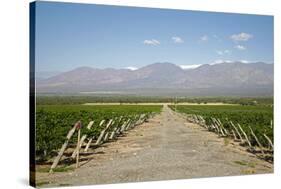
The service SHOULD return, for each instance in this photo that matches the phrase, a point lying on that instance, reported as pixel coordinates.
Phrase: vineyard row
(263, 148)
(112, 128)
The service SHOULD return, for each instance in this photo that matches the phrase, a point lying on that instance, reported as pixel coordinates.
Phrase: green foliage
(258, 117)
(70, 100)
(54, 121)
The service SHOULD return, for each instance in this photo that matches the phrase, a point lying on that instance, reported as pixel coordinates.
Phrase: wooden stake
(123, 127)
(106, 136)
(269, 141)
(245, 135)
(138, 120)
(89, 143)
(215, 126)
(240, 137)
(98, 142)
(203, 122)
(63, 148)
(224, 129)
(112, 136)
(78, 148)
(130, 124)
(211, 128)
(82, 139)
(219, 126)
(92, 138)
(80, 145)
(234, 135)
(256, 138)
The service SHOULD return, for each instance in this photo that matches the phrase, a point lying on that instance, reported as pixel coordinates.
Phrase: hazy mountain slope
(230, 75)
(228, 78)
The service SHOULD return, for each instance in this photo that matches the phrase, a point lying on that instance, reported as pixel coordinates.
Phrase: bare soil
(165, 148)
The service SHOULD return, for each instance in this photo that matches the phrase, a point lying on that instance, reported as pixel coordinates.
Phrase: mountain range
(236, 78)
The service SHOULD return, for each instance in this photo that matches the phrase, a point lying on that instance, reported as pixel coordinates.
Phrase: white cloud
(204, 38)
(240, 47)
(241, 37)
(244, 61)
(223, 52)
(177, 39)
(220, 61)
(151, 42)
(192, 66)
(131, 68)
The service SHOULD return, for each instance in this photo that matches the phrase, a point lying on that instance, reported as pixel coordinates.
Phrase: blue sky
(72, 35)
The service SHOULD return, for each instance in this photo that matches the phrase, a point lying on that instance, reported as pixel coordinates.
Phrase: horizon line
(182, 66)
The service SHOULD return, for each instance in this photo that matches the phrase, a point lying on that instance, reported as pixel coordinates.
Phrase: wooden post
(269, 141)
(203, 122)
(130, 124)
(103, 132)
(256, 138)
(63, 148)
(211, 128)
(89, 143)
(225, 131)
(240, 137)
(123, 127)
(118, 130)
(80, 145)
(195, 119)
(215, 126)
(91, 123)
(106, 136)
(82, 139)
(98, 142)
(140, 120)
(119, 127)
(78, 149)
(92, 138)
(234, 135)
(102, 122)
(245, 135)
(219, 126)
(113, 133)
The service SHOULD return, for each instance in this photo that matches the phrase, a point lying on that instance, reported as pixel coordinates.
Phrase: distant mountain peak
(224, 77)
(162, 66)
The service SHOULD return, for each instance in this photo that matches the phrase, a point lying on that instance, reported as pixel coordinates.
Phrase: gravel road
(165, 148)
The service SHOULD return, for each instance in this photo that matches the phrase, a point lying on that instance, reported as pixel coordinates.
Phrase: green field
(55, 116)
(54, 121)
(259, 118)
(70, 100)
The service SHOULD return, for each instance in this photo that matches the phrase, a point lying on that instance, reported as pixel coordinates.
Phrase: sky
(70, 35)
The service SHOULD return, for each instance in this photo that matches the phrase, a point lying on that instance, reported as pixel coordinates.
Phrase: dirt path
(167, 147)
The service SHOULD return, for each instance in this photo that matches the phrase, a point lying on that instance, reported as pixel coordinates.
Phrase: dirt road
(167, 147)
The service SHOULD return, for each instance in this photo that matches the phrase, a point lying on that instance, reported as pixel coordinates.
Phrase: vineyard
(56, 125)
(252, 126)
(63, 132)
